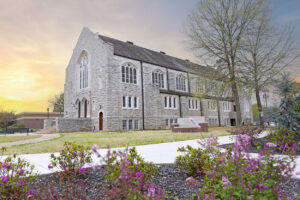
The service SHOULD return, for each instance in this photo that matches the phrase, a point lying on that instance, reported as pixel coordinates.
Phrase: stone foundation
(49, 122)
(64, 125)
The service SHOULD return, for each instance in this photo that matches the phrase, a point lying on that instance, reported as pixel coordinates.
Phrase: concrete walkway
(42, 138)
(157, 153)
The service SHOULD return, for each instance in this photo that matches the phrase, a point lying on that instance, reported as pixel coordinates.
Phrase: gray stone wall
(49, 122)
(64, 125)
(106, 89)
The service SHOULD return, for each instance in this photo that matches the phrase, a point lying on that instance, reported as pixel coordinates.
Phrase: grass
(5, 139)
(114, 139)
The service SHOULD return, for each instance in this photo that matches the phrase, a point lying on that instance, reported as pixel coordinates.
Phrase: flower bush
(284, 140)
(16, 176)
(129, 176)
(72, 158)
(234, 174)
(192, 160)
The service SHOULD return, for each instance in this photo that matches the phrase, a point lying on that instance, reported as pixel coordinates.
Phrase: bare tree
(266, 53)
(215, 29)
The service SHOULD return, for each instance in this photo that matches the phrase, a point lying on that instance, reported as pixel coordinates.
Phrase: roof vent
(129, 42)
(162, 52)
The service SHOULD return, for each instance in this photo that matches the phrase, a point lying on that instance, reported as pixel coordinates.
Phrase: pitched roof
(132, 51)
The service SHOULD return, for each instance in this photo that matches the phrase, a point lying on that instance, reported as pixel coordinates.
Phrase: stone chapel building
(112, 85)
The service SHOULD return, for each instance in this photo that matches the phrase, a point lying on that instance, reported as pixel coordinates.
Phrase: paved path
(42, 138)
(157, 153)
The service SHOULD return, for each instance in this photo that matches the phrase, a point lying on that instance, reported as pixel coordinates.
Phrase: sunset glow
(37, 39)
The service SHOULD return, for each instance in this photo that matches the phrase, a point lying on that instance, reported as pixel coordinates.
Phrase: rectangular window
(196, 104)
(130, 124)
(167, 122)
(127, 75)
(124, 101)
(193, 104)
(134, 76)
(129, 102)
(189, 104)
(162, 81)
(130, 75)
(136, 124)
(170, 102)
(124, 124)
(135, 102)
(166, 102)
(174, 101)
(123, 74)
(171, 122)
(175, 121)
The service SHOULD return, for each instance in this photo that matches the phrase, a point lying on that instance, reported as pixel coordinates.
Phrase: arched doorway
(100, 121)
(79, 109)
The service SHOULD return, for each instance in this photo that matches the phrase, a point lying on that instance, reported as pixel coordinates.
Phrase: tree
(287, 116)
(6, 118)
(216, 28)
(57, 103)
(266, 53)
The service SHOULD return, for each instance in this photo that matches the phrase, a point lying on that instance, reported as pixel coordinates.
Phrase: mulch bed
(169, 178)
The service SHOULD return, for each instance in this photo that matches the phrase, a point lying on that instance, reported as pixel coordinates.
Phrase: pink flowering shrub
(235, 174)
(284, 140)
(15, 177)
(192, 160)
(129, 177)
(72, 158)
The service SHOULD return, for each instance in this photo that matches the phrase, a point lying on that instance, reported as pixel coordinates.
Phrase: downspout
(143, 104)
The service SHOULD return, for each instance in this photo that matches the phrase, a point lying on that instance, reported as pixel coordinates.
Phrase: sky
(37, 38)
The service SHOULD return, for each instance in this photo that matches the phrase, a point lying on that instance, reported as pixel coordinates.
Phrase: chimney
(162, 52)
(129, 42)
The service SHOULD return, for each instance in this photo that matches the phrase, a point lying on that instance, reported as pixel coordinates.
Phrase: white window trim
(209, 105)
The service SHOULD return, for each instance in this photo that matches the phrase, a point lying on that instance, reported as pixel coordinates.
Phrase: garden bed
(169, 178)
(261, 142)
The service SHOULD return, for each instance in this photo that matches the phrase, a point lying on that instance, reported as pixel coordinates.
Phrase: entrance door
(79, 109)
(100, 121)
(232, 122)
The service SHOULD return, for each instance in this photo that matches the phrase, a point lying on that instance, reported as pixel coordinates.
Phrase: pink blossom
(138, 174)
(95, 147)
(4, 179)
(81, 170)
(21, 183)
(271, 145)
(151, 192)
(260, 188)
(198, 155)
(225, 181)
(30, 192)
(49, 166)
(21, 171)
(3, 164)
(198, 171)
(191, 119)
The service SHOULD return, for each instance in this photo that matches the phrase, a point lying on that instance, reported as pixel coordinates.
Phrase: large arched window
(83, 71)
(129, 73)
(180, 83)
(158, 78)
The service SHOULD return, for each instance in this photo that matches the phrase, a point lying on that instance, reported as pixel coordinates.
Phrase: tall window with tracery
(180, 83)
(84, 72)
(158, 78)
(129, 74)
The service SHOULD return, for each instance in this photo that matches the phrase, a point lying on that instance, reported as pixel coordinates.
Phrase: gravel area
(169, 177)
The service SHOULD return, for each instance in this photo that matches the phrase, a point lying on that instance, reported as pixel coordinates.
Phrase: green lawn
(5, 139)
(114, 139)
